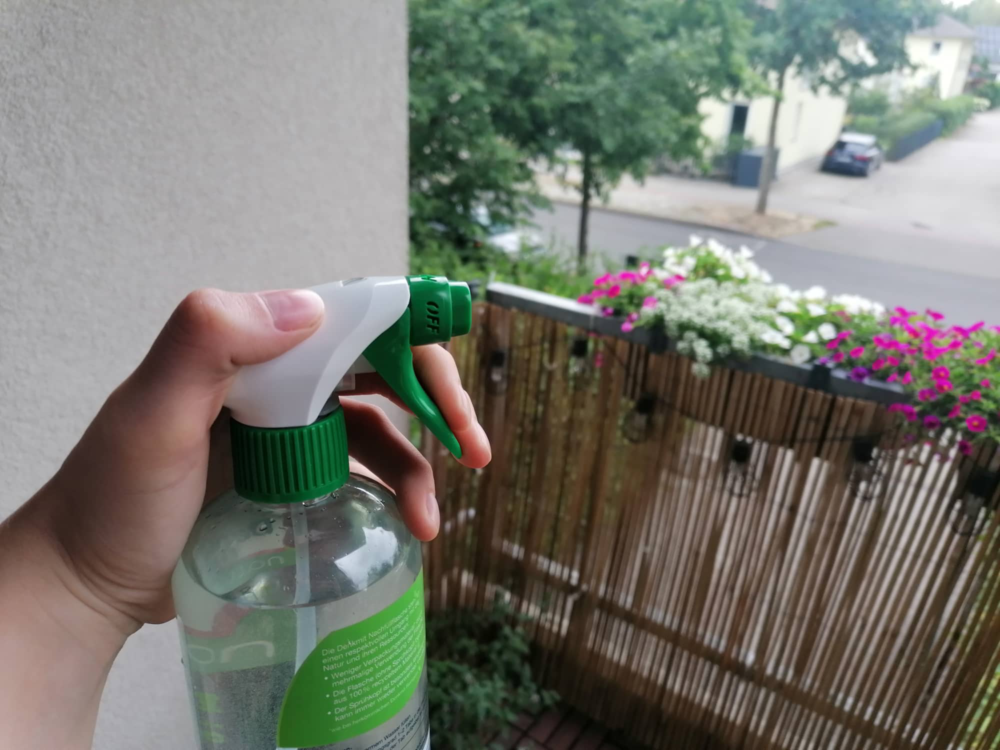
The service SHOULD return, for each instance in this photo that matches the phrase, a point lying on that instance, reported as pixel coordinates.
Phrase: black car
(854, 153)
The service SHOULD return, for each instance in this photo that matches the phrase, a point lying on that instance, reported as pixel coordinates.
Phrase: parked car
(855, 153)
(506, 237)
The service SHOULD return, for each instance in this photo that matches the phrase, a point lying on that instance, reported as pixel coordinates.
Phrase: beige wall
(148, 148)
(950, 64)
(808, 123)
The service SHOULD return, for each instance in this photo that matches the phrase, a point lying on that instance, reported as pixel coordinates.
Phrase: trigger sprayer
(299, 594)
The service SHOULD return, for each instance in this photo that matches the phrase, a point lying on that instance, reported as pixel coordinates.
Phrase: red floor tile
(568, 732)
(546, 724)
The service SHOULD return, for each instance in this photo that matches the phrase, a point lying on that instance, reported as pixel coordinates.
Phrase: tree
(828, 43)
(629, 87)
(477, 74)
(980, 13)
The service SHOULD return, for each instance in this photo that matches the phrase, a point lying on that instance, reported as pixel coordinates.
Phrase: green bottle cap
(290, 464)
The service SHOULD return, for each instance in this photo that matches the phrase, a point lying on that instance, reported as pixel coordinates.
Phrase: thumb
(164, 410)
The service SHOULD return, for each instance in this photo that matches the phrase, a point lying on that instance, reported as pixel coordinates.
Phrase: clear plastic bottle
(260, 585)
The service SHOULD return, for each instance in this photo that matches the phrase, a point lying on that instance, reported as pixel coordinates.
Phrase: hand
(95, 548)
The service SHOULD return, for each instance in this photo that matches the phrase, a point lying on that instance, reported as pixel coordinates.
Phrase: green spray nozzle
(439, 309)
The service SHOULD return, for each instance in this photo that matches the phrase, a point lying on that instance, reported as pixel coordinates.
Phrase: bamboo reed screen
(721, 563)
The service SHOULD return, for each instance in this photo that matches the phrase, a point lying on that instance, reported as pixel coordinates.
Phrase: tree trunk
(767, 168)
(585, 190)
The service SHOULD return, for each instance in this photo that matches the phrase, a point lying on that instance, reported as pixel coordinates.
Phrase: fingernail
(433, 512)
(293, 309)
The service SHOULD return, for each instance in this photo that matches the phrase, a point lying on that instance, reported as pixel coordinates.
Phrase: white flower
(800, 354)
(827, 331)
(815, 309)
(811, 337)
(766, 277)
(701, 370)
(771, 336)
(745, 252)
(814, 293)
(737, 272)
(786, 326)
(787, 306)
(695, 241)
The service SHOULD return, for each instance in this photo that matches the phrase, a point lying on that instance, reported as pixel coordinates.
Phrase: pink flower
(627, 276)
(644, 267)
(598, 359)
(931, 422)
(941, 373)
(892, 378)
(933, 315)
(956, 410)
(649, 302)
(878, 364)
(857, 351)
(976, 423)
(907, 378)
(602, 280)
(607, 312)
(632, 317)
(965, 447)
(838, 357)
(893, 361)
(586, 299)
(832, 344)
(985, 382)
(926, 394)
(988, 358)
(976, 395)
(943, 386)
(905, 313)
(614, 291)
(627, 326)
(964, 399)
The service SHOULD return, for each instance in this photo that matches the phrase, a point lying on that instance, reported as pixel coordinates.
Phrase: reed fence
(761, 559)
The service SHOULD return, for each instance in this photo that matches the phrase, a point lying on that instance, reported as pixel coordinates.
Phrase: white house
(808, 123)
(940, 54)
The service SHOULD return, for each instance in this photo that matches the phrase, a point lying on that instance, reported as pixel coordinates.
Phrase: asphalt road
(966, 298)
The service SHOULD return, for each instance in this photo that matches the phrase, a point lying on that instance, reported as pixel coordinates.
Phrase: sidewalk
(707, 202)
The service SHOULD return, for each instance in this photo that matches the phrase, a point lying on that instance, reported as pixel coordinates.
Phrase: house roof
(988, 42)
(947, 28)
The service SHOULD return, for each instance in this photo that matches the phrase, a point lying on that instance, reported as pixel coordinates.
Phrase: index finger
(436, 370)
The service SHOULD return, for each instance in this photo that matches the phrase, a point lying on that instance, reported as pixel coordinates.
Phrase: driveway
(939, 208)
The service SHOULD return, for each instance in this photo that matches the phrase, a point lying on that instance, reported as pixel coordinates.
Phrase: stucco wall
(148, 148)
(808, 123)
(950, 64)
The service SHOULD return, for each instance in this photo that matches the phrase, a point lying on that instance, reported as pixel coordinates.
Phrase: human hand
(98, 544)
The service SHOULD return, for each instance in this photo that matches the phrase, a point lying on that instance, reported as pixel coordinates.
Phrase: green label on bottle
(357, 678)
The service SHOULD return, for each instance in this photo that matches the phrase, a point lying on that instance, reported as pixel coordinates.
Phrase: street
(965, 298)
(922, 232)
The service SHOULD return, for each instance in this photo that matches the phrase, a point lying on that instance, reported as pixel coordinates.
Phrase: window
(935, 48)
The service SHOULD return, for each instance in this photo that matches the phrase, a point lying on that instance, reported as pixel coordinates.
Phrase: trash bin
(749, 164)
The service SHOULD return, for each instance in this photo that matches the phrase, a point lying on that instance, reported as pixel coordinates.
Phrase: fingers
(437, 372)
(376, 443)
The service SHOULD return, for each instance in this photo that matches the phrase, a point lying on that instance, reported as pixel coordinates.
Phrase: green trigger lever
(439, 309)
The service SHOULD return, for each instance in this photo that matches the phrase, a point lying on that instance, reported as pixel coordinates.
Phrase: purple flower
(607, 312)
(931, 422)
(926, 394)
(965, 447)
(859, 374)
(627, 326)
(941, 373)
(976, 423)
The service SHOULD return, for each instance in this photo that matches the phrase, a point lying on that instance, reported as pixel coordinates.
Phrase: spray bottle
(300, 593)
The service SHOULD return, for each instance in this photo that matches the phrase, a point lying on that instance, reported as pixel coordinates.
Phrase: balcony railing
(763, 558)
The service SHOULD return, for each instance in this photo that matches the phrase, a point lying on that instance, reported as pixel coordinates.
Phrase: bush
(479, 678)
(955, 112)
(867, 124)
(864, 103)
(990, 92)
(894, 129)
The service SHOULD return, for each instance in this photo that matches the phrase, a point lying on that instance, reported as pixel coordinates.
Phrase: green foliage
(990, 92)
(542, 269)
(479, 676)
(479, 72)
(979, 13)
(955, 112)
(863, 102)
(896, 127)
(868, 124)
